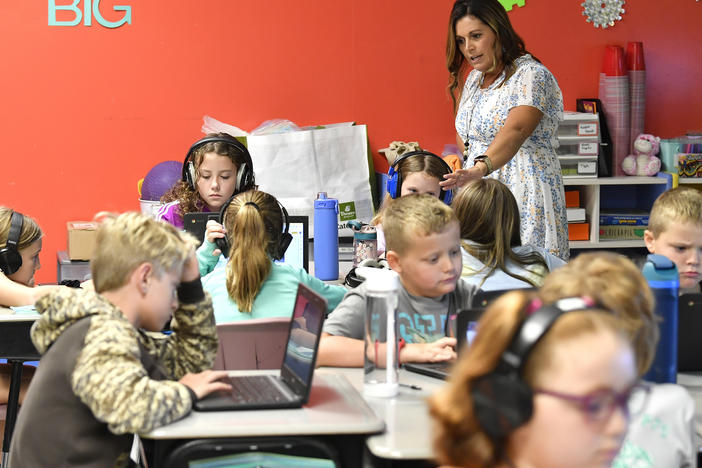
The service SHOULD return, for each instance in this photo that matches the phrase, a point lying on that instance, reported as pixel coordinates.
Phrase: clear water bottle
(326, 237)
(662, 276)
(381, 364)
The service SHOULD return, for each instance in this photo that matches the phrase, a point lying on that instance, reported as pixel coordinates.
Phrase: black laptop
(196, 223)
(466, 326)
(689, 326)
(297, 253)
(290, 389)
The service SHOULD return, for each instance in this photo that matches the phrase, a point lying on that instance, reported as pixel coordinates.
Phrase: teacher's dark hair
(509, 46)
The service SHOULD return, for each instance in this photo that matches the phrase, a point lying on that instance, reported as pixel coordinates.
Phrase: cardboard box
(82, 236)
(572, 198)
(578, 231)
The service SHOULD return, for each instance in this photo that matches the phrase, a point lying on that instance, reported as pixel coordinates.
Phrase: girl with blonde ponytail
(251, 284)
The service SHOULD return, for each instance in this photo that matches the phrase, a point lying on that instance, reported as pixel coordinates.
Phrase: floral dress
(533, 174)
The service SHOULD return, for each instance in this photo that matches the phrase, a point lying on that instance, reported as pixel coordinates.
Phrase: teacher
(507, 119)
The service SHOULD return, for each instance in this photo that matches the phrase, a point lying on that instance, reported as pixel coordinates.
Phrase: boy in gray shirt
(424, 248)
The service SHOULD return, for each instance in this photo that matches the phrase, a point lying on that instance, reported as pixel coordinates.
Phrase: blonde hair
(615, 283)
(423, 162)
(458, 437)
(682, 204)
(254, 225)
(127, 240)
(489, 216)
(414, 215)
(31, 232)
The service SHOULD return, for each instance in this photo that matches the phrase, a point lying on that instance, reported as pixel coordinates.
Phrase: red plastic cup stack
(636, 70)
(614, 94)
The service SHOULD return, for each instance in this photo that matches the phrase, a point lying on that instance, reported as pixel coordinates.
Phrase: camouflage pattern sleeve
(111, 380)
(192, 347)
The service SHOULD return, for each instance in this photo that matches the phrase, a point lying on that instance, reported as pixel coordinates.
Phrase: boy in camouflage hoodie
(103, 376)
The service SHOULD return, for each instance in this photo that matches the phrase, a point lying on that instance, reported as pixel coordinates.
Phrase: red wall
(87, 111)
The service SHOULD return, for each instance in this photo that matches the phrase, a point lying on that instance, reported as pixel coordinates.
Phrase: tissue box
(82, 236)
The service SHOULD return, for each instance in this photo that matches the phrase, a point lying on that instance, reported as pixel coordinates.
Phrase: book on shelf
(622, 232)
(631, 218)
(575, 215)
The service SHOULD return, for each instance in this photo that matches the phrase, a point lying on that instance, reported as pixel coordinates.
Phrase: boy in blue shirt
(424, 247)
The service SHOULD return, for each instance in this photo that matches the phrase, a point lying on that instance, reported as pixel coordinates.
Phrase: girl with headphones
(540, 386)
(20, 244)
(215, 168)
(616, 282)
(493, 254)
(251, 285)
(413, 172)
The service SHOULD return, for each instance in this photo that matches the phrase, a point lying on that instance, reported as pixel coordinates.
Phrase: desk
(16, 346)
(407, 423)
(335, 411)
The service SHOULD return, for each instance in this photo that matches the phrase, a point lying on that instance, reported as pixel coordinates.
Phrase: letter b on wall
(86, 15)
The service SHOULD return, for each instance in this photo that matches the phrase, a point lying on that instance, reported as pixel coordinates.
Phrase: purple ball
(160, 178)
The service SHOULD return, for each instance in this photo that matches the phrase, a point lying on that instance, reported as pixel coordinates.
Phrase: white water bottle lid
(381, 280)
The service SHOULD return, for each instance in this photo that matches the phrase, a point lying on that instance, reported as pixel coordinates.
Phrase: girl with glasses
(663, 434)
(539, 386)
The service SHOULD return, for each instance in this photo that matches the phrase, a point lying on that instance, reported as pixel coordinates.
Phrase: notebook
(291, 388)
(466, 326)
(689, 326)
(296, 255)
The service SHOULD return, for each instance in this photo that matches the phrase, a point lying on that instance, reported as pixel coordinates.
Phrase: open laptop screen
(297, 254)
(305, 330)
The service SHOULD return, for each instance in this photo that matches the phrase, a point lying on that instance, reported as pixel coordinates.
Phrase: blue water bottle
(662, 277)
(326, 237)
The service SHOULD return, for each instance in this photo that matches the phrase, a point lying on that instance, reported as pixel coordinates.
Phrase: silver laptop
(290, 389)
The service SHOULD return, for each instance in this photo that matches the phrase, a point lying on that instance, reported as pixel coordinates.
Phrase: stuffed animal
(644, 161)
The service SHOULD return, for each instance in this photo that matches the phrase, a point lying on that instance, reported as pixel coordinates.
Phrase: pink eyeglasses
(599, 405)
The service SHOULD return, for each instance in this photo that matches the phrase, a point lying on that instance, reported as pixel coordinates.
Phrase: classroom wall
(88, 110)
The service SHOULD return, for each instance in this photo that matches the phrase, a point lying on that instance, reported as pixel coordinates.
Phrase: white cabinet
(615, 193)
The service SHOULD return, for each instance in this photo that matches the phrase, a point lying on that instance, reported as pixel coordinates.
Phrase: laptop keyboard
(255, 388)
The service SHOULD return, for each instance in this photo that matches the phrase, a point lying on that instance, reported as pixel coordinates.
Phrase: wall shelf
(615, 194)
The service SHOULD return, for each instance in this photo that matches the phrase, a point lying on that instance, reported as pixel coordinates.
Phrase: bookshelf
(615, 193)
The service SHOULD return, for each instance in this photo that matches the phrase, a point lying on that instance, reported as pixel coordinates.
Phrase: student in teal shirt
(250, 284)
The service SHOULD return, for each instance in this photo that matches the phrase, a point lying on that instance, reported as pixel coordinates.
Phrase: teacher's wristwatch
(483, 158)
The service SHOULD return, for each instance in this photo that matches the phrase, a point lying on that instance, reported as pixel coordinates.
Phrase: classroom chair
(294, 452)
(252, 344)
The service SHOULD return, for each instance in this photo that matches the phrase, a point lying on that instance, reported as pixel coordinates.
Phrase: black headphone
(394, 185)
(502, 400)
(244, 176)
(278, 249)
(10, 258)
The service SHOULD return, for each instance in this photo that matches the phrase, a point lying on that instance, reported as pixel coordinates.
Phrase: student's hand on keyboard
(206, 382)
(439, 350)
(213, 231)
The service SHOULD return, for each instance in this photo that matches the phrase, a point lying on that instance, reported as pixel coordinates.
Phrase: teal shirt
(276, 297)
